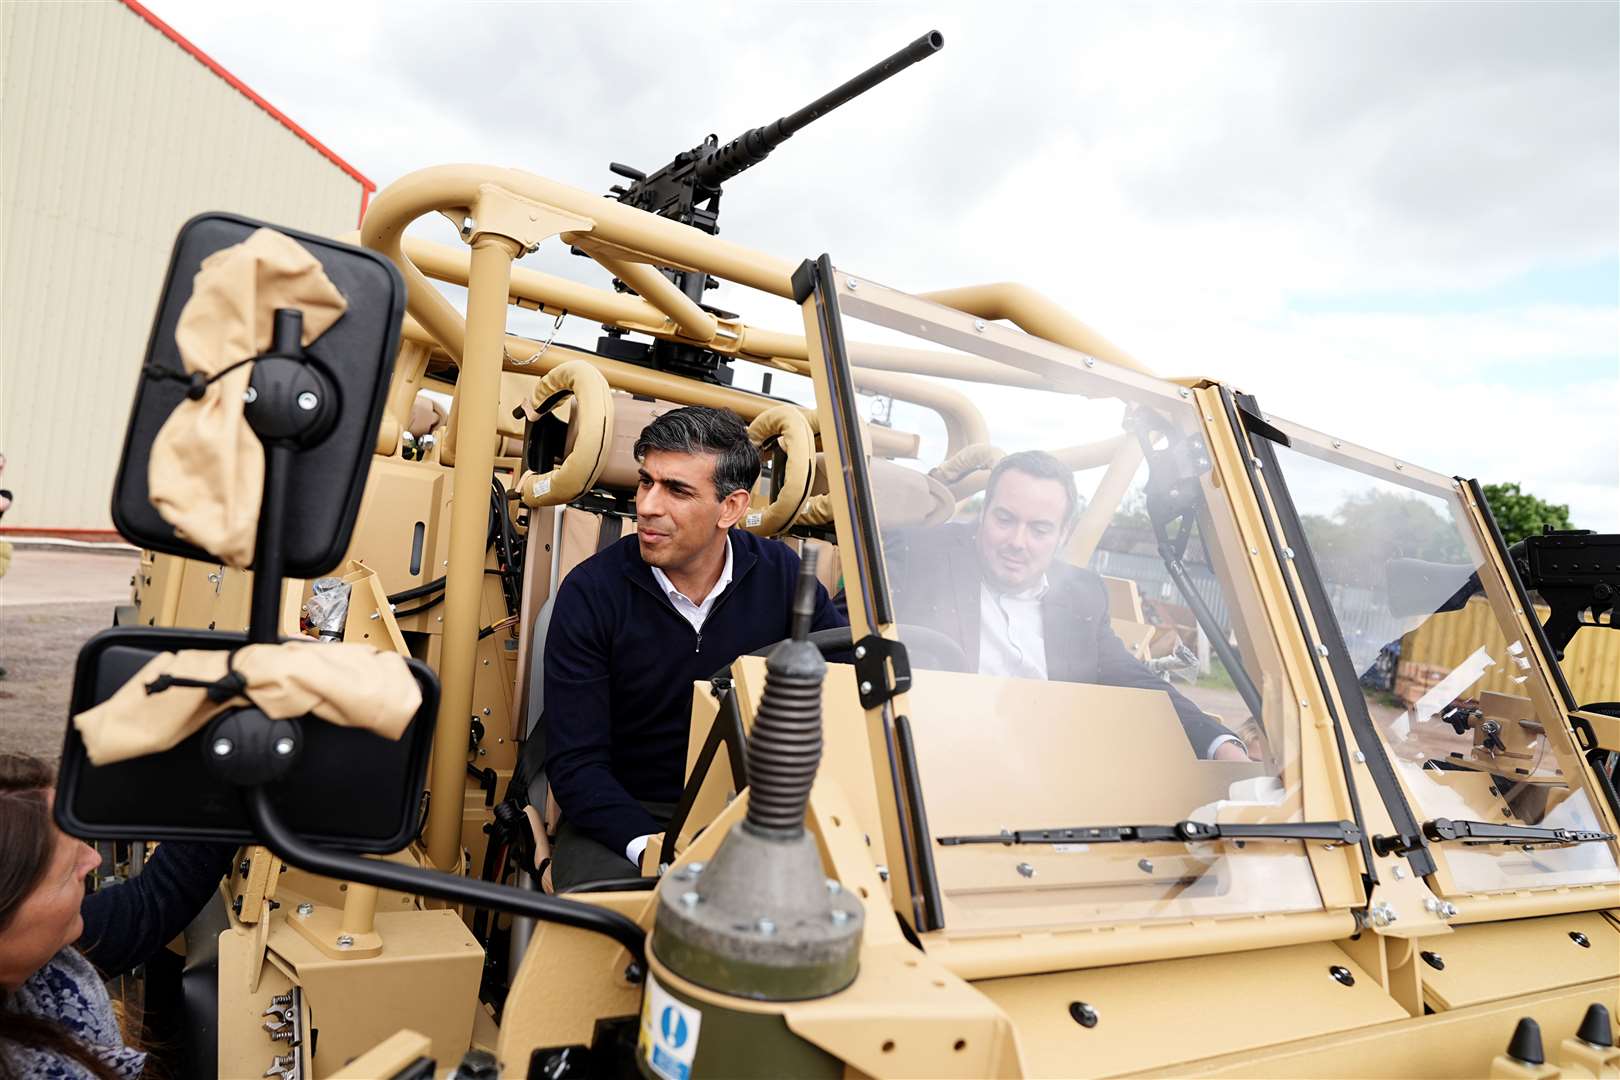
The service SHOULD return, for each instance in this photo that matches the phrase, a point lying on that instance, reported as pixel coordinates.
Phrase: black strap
(608, 532)
(196, 382)
(232, 684)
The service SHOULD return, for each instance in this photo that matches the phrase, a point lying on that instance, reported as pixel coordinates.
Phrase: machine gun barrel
(751, 147)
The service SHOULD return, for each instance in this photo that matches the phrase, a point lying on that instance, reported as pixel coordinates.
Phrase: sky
(1396, 223)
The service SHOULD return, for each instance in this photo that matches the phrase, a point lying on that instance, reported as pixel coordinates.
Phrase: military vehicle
(939, 854)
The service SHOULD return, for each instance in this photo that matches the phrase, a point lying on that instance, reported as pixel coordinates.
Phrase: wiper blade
(1185, 832)
(1483, 832)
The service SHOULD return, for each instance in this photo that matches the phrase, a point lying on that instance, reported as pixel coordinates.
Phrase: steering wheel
(591, 425)
(927, 648)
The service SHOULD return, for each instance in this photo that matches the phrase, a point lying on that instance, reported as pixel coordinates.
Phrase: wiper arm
(1185, 832)
(1483, 832)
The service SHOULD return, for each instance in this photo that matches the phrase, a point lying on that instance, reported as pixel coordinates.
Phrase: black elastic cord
(197, 383)
(232, 684)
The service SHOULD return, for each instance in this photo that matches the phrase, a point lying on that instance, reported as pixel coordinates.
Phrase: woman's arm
(127, 924)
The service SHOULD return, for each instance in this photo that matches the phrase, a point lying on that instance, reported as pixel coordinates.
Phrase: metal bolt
(1398, 465)
(1341, 975)
(375, 615)
(307, 401)
(1145, 865)
(860, 652)
(250, 395)
(1083, 1014)
(467, 224)
(978, 324)
(690, 898)
(839, 916)
(1321, 650)
(223, 747)
(1400, 873)
(285, 746)
(1185, 392)
(866, 687)
(306, 909)
(834, 887)
(344, 941)
(1433, 959)
(1361, 759)
(1448, 910)
(1254, 551)
(883, 872)
(850, 283)
(1580, 939)
(1380, 915)
(1288, 553)
(765, 926)
(486, 710)
(1431, 904)
(1337, 444)
(1091, 361)
(1025, 869)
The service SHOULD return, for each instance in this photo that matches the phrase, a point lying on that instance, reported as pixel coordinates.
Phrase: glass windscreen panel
(1082, 627)
(1444, 669)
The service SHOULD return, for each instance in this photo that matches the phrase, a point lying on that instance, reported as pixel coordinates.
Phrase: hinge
(882, 670)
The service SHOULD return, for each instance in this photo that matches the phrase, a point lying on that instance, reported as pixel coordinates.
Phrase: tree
(1519, 514)
(1371, 527)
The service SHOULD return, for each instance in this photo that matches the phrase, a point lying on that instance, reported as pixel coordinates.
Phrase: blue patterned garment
(68, 991)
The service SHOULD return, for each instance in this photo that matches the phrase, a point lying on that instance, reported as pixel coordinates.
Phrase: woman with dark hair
(56, 1020)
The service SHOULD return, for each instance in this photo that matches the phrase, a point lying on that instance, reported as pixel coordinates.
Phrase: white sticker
(753, 519)
(669, 1033)
(542, 486)
(1064, 849)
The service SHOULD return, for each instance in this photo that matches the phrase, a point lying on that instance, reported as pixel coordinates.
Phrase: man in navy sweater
(636, 624)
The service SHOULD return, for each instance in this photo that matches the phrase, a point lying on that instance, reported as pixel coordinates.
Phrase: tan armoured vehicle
(1183, 810)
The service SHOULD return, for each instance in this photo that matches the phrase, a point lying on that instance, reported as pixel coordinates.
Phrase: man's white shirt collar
(694, 613)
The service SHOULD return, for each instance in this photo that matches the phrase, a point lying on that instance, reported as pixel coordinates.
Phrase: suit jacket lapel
(1067, 627)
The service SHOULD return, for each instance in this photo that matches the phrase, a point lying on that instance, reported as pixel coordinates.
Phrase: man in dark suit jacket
(996, 589)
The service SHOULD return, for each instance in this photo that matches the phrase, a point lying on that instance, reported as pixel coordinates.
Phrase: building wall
(111, 137)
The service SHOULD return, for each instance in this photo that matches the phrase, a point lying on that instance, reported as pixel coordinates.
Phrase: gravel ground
(51, 601)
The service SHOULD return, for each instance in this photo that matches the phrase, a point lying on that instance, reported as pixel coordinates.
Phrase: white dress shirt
(693, 612)
(1012, 641)
(696, 614)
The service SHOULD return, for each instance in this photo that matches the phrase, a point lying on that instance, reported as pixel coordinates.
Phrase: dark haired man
(999, 591)
(636, 624)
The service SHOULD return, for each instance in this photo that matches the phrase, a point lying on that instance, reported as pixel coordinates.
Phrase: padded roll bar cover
(631, 415)
(590, 433)
(908, 498)
(788, 426)
(350, 788)
(357, 354)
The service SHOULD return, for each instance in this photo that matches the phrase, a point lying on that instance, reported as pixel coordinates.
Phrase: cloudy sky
(1396, 223)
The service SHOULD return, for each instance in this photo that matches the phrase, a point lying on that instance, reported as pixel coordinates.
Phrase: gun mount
(688, 190)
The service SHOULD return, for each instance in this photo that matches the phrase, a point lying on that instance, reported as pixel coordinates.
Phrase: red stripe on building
(366, 185)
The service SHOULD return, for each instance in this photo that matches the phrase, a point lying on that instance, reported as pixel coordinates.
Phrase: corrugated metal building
(114, 130)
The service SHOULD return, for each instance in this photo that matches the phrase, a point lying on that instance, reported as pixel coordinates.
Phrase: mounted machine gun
(688, 190)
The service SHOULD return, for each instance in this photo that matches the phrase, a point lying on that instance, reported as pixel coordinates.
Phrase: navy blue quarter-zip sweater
(619, 666)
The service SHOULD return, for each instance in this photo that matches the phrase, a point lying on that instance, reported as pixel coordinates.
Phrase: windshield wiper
(1483, 832)
(1186, 832)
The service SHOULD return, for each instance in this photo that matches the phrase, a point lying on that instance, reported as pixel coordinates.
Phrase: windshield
(1450, 682)
(1063, 568)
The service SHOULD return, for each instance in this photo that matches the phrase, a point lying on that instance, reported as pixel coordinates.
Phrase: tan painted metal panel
(111, 137)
